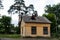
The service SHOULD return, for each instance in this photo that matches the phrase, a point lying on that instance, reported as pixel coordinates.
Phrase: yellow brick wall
(22, 28)
(39, 29)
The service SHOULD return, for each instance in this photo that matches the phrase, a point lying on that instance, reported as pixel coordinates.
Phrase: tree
(12, 29)
(20, 8)
(1, 6)
(5, 23)
(51, 17)
(1, 27)
(55, 9)
(30, 9)
(16, 29)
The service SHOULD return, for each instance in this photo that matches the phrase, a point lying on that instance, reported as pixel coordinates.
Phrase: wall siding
(23, 26)
(39, 29)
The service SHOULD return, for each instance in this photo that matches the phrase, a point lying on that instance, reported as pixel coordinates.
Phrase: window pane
(45, 30)
(33, 30)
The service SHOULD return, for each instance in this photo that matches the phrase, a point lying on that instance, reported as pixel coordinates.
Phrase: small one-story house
(35, 26)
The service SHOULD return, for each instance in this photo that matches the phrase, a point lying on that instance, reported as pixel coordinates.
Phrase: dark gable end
(37, 19)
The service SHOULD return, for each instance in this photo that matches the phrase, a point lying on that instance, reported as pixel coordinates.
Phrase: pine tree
(20, 8)
(1, 6)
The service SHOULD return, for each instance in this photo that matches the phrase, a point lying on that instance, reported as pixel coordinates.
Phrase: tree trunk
(19, 24)
(20, 19)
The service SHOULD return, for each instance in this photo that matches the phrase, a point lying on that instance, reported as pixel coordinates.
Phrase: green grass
(10, 36)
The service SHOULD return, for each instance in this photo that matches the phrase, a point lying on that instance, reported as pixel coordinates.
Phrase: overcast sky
(39, 5)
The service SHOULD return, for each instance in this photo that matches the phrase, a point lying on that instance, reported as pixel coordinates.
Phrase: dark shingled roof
(38, 19)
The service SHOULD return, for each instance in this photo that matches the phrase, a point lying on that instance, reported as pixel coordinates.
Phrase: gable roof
(38, 19)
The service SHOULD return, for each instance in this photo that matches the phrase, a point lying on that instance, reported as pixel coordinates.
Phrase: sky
(39, 5)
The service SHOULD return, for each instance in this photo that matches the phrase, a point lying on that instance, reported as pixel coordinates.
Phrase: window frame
(45, 30)
(33, 30)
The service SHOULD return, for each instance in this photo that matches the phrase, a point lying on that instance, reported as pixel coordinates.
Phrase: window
(45, 30)
(33, 30)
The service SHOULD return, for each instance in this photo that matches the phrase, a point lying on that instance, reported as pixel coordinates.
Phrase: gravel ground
(26, 39)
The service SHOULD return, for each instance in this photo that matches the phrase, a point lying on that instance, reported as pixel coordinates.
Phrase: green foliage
(51, 17)
(16, 29)
(2, 30)
(55, 9)
(5, 22)
(10, 36)
(6, 27)
(55, 35)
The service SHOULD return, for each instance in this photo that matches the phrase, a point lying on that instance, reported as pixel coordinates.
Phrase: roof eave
(39, 22)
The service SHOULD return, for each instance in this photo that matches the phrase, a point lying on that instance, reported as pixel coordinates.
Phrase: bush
(56, 35)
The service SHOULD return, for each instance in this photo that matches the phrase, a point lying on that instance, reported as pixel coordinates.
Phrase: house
(35, 26)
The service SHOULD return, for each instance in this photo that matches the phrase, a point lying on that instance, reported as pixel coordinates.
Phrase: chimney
(33, 17)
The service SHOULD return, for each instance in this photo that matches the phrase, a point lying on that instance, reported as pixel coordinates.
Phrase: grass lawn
(18, 37)
(10, 36)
